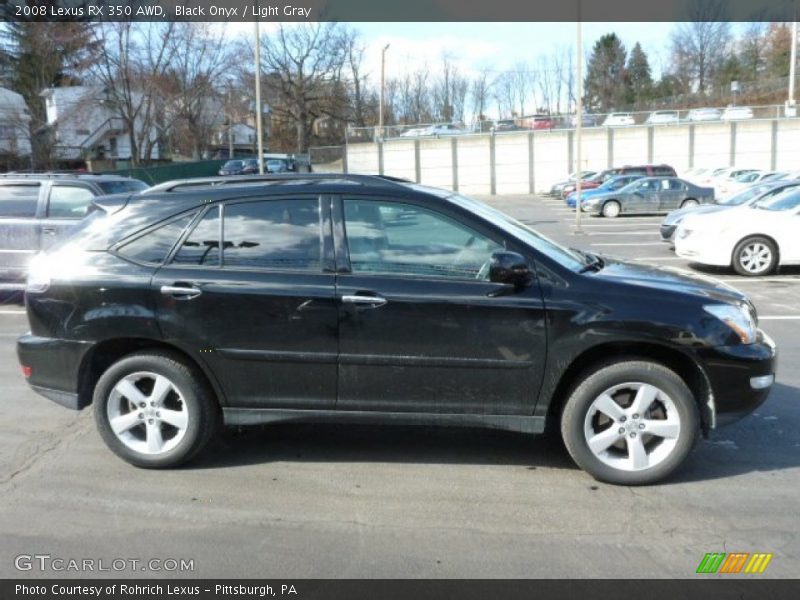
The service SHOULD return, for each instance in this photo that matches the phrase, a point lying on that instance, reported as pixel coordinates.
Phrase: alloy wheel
(632, 426)
(147, 413)
(755, 257)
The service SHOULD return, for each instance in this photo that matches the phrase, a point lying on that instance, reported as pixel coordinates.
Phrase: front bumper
(54, 365)
(697, 248)
(740, 377)
(593, 208)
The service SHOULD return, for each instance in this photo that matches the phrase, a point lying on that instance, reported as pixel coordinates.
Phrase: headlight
(738, 318)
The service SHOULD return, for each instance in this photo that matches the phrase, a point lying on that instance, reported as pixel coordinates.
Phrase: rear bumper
(54, 365)
(741, 377)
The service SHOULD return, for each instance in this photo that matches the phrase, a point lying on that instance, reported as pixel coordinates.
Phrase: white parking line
(651, 233)
(12, 312)
(779, 318)
(659, 258)
(631, 244)
(789, 279)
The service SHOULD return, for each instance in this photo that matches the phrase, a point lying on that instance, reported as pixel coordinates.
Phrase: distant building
(14, 124)
(85, 126)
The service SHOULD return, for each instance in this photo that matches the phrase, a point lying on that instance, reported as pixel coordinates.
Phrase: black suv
(36, 209)
(361, 298)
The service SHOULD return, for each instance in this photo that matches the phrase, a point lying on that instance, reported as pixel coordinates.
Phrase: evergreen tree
(639, 79)
(605, 75)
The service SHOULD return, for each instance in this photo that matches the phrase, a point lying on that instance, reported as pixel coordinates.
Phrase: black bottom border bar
(401, 589)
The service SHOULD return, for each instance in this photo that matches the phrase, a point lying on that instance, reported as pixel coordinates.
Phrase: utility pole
(259, 114)
(230, 121)
(380, 107)
(578, 124)
(791, 108)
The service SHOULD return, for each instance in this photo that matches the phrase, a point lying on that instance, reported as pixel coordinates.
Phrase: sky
(476, 46)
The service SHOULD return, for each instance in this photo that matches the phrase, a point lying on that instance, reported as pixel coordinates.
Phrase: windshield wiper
(595, 263)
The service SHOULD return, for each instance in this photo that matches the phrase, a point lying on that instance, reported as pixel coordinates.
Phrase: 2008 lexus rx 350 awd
(358, 298)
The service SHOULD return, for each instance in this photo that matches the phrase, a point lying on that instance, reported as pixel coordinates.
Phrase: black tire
(611, 209)
(199, 402)
(739, 261)
(607, 376)
(689, 202)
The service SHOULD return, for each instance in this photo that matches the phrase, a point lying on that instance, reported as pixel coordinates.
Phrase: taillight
(26, 371)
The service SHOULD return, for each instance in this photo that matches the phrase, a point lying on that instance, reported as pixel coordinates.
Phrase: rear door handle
(49, 230)
(180, 292)
(365, 301)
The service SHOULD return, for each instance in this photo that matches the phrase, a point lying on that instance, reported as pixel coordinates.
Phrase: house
(85, 126)
(14, 124)
(240, 136)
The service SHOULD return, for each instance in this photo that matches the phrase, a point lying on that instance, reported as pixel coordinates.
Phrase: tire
(689, 203)
(625, 453)
(755, 256)
(137, 392)
(611, 209)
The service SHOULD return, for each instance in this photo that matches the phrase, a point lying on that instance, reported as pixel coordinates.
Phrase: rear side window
(68, 202)
(636, 171)
(664, 171)
(273, 234)
(154, 246)
(120, 186)
(201, 246)
(19, 200)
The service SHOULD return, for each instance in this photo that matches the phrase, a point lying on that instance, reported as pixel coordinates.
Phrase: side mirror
(509, 268)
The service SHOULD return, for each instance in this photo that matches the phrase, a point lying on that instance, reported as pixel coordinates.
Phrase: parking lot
(314, 500)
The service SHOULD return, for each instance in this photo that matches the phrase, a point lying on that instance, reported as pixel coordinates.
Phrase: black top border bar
(401, 11)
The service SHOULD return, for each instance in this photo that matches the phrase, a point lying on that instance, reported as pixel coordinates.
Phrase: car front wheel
(154, 410)
(611, 209)
(630, 423)
(755, 256)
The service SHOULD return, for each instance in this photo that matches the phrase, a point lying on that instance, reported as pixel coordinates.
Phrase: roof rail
(177, 184)
(48, 174)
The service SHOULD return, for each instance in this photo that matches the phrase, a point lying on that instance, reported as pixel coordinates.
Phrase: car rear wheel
(755, 256)
(611, 209)
(689, 203)
(154, 410)
(630, 423)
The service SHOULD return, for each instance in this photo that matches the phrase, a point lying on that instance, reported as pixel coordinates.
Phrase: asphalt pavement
(308, 500)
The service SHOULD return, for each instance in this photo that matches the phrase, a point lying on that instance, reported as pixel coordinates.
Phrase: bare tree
(133, 59)
(358, 81)
(700, 46)
(523, 80)
(479, 91)
(304, 67)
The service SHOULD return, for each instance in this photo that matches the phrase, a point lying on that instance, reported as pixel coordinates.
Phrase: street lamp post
(791, 108)
(380, 104)
(259, 125)
(578, 125)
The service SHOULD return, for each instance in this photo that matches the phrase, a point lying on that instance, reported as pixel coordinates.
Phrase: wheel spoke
(176, 418)
(161, 388)
(644, 398)
(637, 454)
(130, 391)
(609, 407)
(667, 428)
(600, 442)
(155, 441)
(123, 423)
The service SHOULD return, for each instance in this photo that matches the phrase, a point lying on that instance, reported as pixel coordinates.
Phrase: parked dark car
(358, 298)
(648, 195)
(38, 209)
(748, 196)
(559, 186)
(603, 176)
(235, 167)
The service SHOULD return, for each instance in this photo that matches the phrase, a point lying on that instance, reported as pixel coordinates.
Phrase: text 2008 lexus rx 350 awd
(358, 298)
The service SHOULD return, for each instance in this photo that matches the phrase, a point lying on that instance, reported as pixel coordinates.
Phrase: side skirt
(258, 416)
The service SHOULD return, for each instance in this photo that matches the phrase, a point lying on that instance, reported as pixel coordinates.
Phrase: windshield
(233, 164)
(788, 200)
(122, 185)
(746, 195)
(566, 257)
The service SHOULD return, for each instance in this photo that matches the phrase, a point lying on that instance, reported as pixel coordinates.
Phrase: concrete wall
(519, 162)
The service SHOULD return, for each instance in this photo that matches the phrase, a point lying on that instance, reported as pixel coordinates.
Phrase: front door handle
(180, 292)
(365, 301)
(49, 230)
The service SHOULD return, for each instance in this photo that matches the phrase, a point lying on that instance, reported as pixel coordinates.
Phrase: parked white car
(732, 186)
(704, 114)
(737, 113)
(663, 117)
(443, 129)
(619, 120)
(754, 240)
(721, 177)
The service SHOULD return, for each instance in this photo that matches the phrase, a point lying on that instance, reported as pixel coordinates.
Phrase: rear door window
(273, 235)
(68, 201)
(201, 246)
(154, 246)
(663, 171)
(19, 200)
